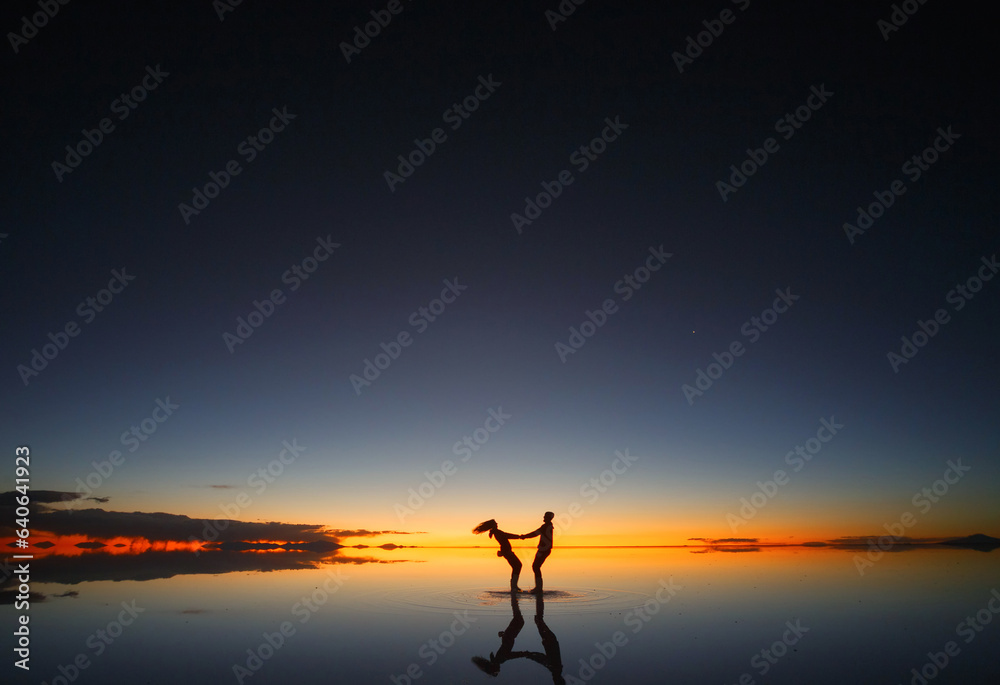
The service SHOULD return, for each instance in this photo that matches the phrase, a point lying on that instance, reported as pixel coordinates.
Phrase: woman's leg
(515, 569)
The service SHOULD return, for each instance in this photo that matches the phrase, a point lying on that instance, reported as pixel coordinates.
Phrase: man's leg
(536, 566)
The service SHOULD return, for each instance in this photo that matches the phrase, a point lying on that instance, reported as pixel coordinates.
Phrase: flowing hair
(485, 526)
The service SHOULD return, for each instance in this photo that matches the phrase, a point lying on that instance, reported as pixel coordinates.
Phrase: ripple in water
(560, 601)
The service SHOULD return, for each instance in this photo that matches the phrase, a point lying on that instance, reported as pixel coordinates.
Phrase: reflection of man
(552, 659)
(544, 548)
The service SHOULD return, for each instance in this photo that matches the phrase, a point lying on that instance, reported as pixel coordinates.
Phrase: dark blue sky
(654, 185)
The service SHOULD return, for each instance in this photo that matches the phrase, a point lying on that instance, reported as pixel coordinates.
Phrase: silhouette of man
(544, 533)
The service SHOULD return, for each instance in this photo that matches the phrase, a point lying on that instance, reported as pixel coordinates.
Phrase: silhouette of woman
(505, 551)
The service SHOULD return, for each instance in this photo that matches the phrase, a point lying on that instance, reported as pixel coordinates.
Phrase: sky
(490, 261)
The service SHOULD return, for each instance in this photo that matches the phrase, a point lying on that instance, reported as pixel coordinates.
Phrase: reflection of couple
(544, 534)
(551, 659)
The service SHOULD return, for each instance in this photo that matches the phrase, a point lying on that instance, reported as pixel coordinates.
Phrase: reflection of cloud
(720, 545)
(10, 596)
(157, 564)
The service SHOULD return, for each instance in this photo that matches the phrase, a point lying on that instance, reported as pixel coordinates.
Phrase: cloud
(362, 533)
(38, 497)
(865, 539)
(42, 498)
(101, 524)
(749, 540)
(160, 527)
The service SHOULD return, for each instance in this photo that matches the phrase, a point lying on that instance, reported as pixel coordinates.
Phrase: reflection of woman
(505, 551)
(507, 637)
(551, 659)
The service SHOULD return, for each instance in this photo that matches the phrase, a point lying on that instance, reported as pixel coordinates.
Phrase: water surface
(624, 615)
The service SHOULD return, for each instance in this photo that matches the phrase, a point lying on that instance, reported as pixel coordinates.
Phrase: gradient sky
(494, 347)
